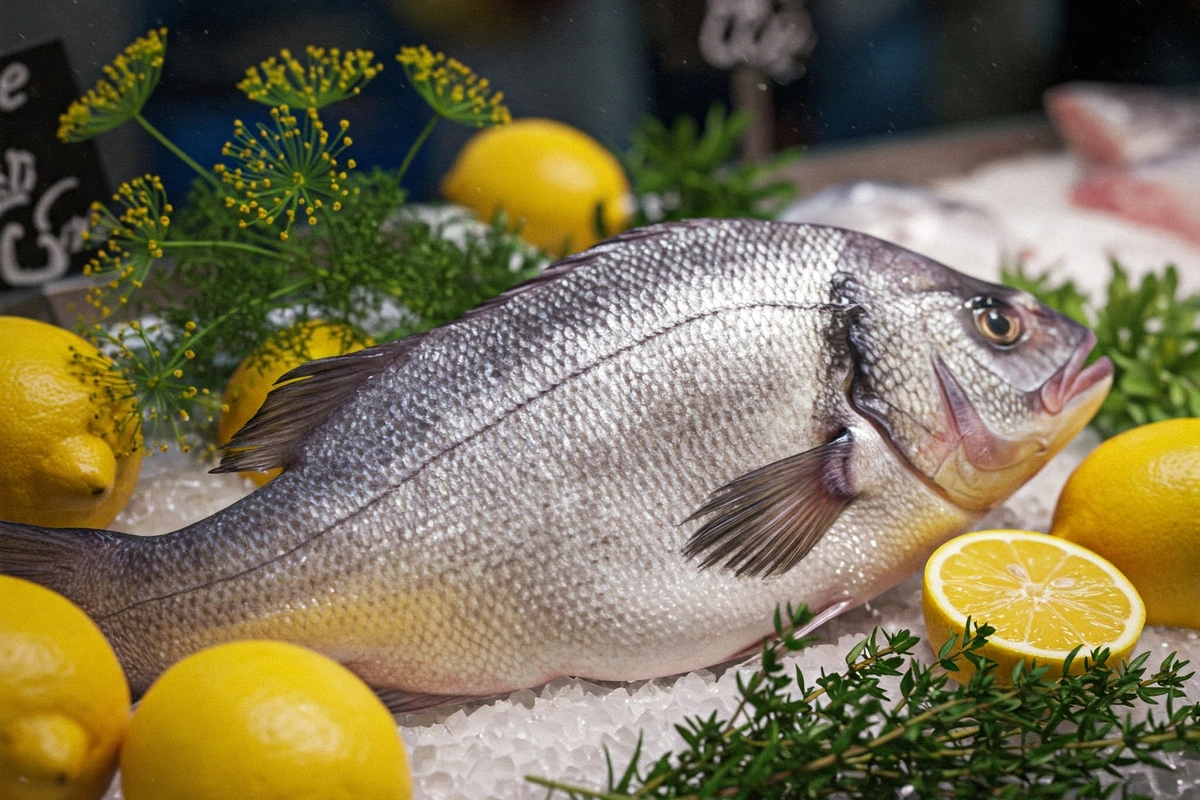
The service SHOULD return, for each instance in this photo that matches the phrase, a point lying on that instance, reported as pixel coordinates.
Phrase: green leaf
(680, 173)
(1151, 335)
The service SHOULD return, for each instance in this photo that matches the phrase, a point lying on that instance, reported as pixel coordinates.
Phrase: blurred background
(871, 68)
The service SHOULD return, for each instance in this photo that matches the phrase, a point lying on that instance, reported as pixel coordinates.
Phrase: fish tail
(61, 559)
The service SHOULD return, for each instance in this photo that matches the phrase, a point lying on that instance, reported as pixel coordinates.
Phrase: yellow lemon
(68, 459)
(547, 176)
(1044, 596)
(260, 720)
(64, 701)
(256, 375)
(1136, 501)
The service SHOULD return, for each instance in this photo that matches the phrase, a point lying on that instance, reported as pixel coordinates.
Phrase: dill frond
(132, 76)
(452, 89)
(327, 76)
(127, 244)
(152, 390)
(237, 276)
(115, 397)
(286, 170)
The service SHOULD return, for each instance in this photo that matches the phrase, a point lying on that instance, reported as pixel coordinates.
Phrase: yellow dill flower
(326, 77)
(286, 170)
(111, 387)
(451, 89)
(143, 367)
(132, 77)
(129, 242)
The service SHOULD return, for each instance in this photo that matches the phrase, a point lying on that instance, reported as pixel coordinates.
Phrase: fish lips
(1074, 379)
(981, 468)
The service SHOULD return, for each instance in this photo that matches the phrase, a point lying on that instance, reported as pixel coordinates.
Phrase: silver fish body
(536, 489)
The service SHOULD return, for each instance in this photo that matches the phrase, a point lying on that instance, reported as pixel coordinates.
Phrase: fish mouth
(1073, 379)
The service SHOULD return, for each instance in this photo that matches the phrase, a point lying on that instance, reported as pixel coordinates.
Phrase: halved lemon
(1043, 595)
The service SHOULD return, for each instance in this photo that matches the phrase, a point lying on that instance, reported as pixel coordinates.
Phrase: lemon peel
(553, 180)
(71, 458)
(261, 720)
(64, 700)
(1136, 501)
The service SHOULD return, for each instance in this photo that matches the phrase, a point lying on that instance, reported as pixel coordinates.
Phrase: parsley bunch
(679, 172)
(847, 734)
(1151, 334)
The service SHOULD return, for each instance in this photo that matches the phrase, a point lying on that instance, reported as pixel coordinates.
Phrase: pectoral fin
(764, 522)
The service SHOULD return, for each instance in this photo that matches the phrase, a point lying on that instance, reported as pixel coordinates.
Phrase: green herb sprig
(1151, 335)
(679, 172)
(285, 232)
(847, 735)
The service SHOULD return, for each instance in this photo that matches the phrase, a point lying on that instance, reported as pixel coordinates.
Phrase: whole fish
(617, 470)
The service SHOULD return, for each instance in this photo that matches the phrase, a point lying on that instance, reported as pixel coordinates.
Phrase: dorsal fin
(303, 399)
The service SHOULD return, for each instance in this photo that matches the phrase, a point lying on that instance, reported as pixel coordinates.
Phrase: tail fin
(67, 560)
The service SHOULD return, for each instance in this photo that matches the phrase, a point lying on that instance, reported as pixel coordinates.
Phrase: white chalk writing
(17, 181)
(12, 81)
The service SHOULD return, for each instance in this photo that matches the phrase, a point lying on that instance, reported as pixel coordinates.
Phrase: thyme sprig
(889, 725)
(143, 367)
(1151, 335)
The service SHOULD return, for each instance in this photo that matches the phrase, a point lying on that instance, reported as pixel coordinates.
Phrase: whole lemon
(259, 720)
(64, 701)
(256, 375)
(547, 176)
(1136, 501)
(71, 455)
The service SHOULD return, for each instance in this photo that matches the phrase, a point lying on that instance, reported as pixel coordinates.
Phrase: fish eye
(997, 321)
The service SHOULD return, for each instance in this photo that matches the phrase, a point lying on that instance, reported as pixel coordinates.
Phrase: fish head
(976, 385)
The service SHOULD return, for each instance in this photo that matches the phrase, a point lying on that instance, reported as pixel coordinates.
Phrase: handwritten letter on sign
(46, 186)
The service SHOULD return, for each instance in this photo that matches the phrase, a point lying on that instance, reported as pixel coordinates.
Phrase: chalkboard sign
(46, 185)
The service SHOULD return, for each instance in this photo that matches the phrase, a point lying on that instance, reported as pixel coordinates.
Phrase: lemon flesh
(64, 700)
(1136, 501)
(260, 720)
(548, 177)
(71, 456)
(1044, 597)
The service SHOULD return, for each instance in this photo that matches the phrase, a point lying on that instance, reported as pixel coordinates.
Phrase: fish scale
(509, 498)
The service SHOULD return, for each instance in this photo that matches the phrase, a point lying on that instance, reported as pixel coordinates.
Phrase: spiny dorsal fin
(767, 520)
(272, 436)
(292, 410)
